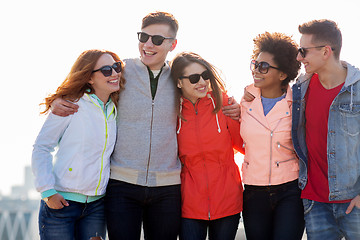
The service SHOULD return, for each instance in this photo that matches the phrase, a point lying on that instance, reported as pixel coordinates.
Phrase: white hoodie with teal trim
(84, 142)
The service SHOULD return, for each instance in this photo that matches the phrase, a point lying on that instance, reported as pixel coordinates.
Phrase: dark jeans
(127, 206)
(273, 212)
(219, 229)
(79, 221)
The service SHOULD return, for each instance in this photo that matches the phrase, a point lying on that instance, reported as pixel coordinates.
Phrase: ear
(327, 52)
(91, 82)
(283, 76)
(173, 45)
(179, 84)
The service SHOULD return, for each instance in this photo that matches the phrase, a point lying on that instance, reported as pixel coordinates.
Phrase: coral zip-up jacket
(210, 179)
(270, 158)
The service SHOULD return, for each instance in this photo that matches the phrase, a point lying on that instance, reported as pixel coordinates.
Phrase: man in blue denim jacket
(326, 134)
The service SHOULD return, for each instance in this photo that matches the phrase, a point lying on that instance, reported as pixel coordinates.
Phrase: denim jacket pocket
(350, 116)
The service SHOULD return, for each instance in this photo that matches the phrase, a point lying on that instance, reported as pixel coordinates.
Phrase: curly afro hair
(283, 48)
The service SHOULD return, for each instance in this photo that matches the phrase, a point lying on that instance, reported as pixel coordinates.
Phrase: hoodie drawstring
(216, 115)
(351, 97)
(181, 102)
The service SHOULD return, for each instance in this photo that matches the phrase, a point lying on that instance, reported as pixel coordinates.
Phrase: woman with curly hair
(73, 187)
(272, 204)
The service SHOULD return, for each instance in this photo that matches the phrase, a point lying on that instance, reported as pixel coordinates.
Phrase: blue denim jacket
(343, 139)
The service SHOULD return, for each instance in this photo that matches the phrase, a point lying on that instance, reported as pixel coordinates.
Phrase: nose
(299, 57)
(149, 42)
(114, 73)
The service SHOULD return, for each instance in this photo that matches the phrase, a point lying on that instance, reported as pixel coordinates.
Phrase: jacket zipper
(103, 152)
(271, 140)
(151, 127)
(293, 151)
(204, 160)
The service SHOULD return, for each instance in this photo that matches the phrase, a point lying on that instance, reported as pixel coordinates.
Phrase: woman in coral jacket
(210, 179)
(272, 204)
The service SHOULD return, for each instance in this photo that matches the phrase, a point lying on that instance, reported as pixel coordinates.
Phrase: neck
(272, 93)
(332, 75)
(103, 97)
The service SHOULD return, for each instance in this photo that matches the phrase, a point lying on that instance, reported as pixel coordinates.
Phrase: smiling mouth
(149, 53)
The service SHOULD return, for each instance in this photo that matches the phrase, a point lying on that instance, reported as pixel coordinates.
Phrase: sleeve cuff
(48, 193)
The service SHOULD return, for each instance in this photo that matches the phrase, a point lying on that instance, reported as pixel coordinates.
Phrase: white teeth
(149, 53)
(114, 81)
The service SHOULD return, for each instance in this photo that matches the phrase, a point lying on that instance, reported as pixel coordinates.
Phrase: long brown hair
(77, 81)
(184, 59)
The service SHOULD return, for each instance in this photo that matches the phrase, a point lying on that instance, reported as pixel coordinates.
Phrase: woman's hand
(56, 201)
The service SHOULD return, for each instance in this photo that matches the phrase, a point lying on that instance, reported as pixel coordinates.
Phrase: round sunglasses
(263, 67)
(107, 70)
(155, 39)
(195, 78)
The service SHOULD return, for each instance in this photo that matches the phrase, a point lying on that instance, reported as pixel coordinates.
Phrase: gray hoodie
(146, 147)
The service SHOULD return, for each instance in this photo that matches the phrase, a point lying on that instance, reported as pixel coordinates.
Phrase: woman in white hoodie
(73, 185)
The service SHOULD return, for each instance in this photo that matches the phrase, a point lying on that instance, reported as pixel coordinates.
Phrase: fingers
(63, 108)
(64, 202)
(57, 201)
(353, 203)
(350, 208)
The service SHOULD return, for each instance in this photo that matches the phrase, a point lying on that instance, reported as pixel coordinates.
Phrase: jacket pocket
(350, 116)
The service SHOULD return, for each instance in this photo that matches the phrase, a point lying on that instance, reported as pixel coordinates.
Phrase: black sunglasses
(303, 51)
(263, 67)
(194, 78)
(107, 70)
(156, 39)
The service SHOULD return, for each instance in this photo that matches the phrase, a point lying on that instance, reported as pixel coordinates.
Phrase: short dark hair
(283, 48)
(161, 18)
(324, 31)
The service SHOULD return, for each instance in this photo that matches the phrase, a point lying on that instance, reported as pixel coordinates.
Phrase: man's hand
(232, 110)
(63, 108)
(354, 203)
(248, 96)
(56, 201)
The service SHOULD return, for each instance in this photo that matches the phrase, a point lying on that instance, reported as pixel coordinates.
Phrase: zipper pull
(277, 163)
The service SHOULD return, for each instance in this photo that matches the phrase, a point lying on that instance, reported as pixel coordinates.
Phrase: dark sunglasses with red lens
(155, 39)
(107, 70)
(194, 78)
(263, 67)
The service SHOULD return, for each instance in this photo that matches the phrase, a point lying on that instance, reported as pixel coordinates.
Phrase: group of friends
(149, 143)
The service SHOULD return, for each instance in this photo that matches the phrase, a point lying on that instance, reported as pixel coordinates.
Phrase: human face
(102, 85)
(190, 91)
(313, 61)
(152, 55)
(270, 82)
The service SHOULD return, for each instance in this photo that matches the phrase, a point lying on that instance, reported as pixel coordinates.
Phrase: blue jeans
(78, 221)
(329, 221)
(273, 212)
(127, 206)
(219, 229)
